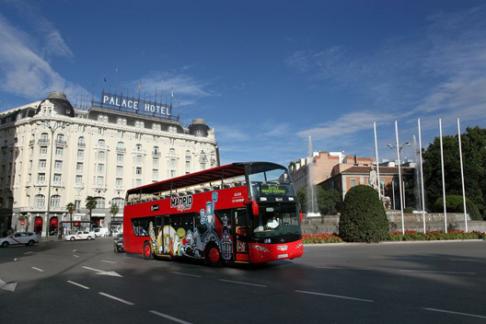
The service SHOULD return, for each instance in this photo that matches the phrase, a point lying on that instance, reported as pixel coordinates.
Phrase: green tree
(454, 204)
(302, 199)
(70, 209)
(90, 205)
(474, 157)
(363, 218)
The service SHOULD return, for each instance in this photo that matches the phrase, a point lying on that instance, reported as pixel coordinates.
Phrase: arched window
(55, 201)
(100, 202)
(39, 201)
(81, 141)
(120, 202)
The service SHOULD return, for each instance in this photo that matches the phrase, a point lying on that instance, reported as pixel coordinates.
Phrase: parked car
(118, 243)
(80, 235)
(26, 238)
(100, 231)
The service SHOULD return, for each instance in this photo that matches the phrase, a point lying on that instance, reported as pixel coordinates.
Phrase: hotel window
(55, 201)
(101, 155)
(138, 182)
(119, 182)
(138, 170)
(138, 158)
(60, 137)
(155, 150)
(57, 178)
(155, 162)
(43, 150)
(188, 161)
(41, 178)
(39, 201)
(99, 181)
(203, 160)
(44, 137)
(77, 204)
(80, 154)
(100, 202)
(101, 142)
(79, 180)
(172, 173)
(119, 202)
(58, 165)
(100, 168)
(119, 158)
(120, 146)
(59, 151)
(81, 141)
(353, 182)
(119, 171)
(155, 174)
(42, 164)
(79, 167)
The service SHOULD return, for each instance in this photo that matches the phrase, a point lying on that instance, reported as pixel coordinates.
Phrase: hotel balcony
(61, 143)
(43, 142)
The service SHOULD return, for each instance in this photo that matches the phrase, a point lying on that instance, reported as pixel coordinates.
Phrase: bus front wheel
(213, 256)
(147, 251)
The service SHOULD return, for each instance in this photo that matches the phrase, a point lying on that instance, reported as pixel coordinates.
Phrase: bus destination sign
(273, 190)
(135, 105)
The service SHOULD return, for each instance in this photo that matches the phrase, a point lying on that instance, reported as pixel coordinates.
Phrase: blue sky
(265, 75)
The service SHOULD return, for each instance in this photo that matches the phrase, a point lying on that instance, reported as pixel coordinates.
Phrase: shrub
(363, 218)
(454, 204)
(321, 238)
(435, 235)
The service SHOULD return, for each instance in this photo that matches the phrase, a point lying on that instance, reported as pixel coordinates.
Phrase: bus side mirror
(255, 208)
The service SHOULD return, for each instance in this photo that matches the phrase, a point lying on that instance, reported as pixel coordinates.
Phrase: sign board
(136, 105)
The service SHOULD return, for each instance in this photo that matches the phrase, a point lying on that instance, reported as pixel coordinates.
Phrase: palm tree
(70, 209)
(90, 205)
(114, 210)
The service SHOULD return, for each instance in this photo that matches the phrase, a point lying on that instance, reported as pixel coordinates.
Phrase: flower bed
(321, 238)
(397, 236)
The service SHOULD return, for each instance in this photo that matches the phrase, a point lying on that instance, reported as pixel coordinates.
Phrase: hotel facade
(53, 154)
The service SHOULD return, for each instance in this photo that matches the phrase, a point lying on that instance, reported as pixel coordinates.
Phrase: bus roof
(208, 175)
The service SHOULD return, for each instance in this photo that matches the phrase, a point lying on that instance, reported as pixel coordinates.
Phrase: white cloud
(441, 73)
(187, 90)
(24, 72)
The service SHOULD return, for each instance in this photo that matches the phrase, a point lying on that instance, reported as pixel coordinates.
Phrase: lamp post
(52, 126)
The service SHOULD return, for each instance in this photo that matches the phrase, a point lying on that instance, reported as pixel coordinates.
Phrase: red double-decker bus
(236, 213)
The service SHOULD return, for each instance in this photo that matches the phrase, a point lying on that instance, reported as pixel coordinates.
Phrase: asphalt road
(85, 282)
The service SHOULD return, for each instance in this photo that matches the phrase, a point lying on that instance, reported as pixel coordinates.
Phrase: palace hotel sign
(136, 105)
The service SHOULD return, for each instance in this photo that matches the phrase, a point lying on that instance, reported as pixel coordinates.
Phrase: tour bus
(236, 213)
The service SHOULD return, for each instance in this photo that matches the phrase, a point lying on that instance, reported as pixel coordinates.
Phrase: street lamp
(52, 126)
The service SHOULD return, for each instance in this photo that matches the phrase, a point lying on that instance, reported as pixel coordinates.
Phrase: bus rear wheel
(213, 256)
(147, 251)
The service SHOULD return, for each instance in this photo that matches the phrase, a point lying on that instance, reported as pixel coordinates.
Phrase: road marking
(108, 261)
(38, 269)
(77, 284)
(172, 318)
(466, 273)
(103, 272)
(243, 283)
(28, 252)
(186, 274)
(8, 286)
(334, 296)
(75, 255)
(454, 313)
(116, 298)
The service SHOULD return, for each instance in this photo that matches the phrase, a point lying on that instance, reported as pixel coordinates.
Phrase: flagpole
(443, 175)
(462, 173)
(421, 173)
(377, 160)
(399, 176)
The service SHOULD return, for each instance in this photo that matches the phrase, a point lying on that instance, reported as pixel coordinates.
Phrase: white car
(80, 235)
(101, 231)
(26, 238)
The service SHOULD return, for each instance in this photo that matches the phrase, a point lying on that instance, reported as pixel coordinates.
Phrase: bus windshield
(275, 182)
(277, 223)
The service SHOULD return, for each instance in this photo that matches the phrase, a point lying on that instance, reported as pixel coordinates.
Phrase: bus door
(159, 237)
(241, 233)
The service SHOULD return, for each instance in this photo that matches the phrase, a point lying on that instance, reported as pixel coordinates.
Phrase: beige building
(320, 167)
(52, 154)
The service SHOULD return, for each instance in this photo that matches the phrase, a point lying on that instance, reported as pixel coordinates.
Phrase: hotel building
(52, 154)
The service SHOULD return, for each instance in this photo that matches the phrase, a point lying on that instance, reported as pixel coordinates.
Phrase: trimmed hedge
(321, 238)
(363, 218)
(454, 204)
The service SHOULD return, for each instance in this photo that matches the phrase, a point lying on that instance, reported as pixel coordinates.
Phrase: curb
(390, 243)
